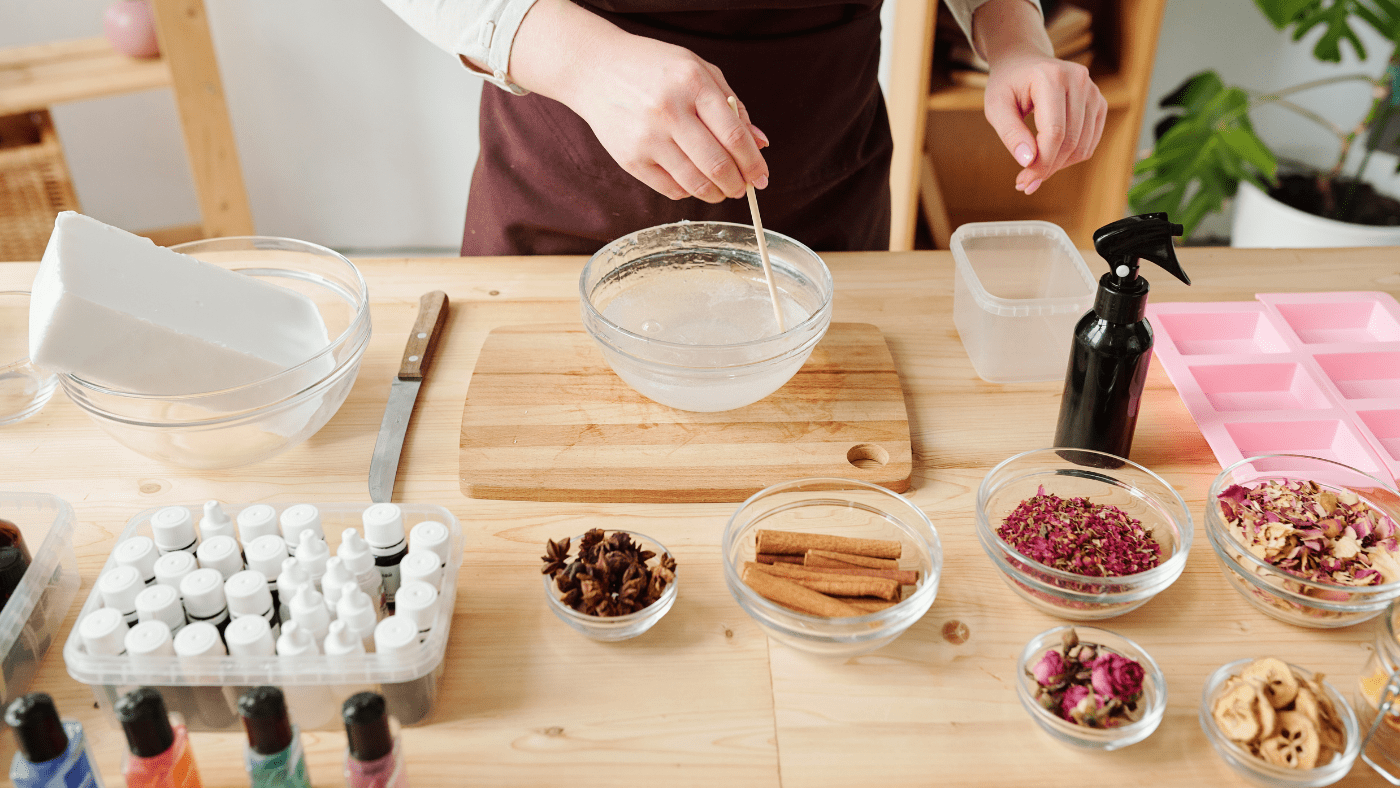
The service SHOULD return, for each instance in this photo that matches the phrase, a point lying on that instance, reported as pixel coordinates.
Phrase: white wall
(356, 133)
(352, 130)
(1234, 38)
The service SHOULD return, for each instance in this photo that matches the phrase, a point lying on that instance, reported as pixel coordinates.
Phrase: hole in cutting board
(867, 455)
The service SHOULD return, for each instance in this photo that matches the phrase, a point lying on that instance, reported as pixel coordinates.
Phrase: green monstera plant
(1207, 145)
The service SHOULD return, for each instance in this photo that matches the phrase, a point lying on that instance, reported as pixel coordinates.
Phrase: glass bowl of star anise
(609, 585)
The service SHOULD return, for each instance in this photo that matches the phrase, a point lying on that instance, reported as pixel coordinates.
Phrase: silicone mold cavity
(1363, 375)
(1331, 439)
(1385, 425)
(1287, 386)
(1343, 321)
(1222, 333)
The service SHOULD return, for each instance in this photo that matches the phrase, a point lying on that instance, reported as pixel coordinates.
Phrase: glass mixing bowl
(684, 278)
(249, 423)
(24, 388)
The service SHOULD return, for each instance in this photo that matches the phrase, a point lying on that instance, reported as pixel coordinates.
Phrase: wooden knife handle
(432, 313)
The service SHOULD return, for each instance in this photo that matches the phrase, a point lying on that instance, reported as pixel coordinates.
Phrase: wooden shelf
(956, 98)
(39, 76)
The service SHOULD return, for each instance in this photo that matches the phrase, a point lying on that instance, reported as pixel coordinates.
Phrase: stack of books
(1071, 33)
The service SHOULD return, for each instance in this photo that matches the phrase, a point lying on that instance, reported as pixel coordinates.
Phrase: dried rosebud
(1078, 703)
(1116, 676)
(1050, 670)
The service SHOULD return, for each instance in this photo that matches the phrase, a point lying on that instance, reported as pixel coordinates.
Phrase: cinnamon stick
(769, 558)
(798, 543)
(832, 584)
(829, 558)
(907, 577)
(866, 606)
(793, 596)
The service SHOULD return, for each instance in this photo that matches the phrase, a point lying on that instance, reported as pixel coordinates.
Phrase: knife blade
(403, 393)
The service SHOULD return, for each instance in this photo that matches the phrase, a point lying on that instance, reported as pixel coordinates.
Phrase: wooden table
(704, 698)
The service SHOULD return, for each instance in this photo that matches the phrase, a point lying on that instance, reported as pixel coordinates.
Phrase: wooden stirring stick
(762, 242)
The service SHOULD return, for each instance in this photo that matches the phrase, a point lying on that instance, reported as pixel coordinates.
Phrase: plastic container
(1144, 495)
(250, 423)
(1018, 290)
(1260, 772)
(205, 689)
(1154, 691)
(24, 388)
(704, 377)
(840, 507)
(1316, 374)
(1284, 596)
(613, 628)
(1382, 751)
(31, 619)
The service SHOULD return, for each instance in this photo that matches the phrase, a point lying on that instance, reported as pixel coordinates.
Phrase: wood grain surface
(546, 419)
(705, 699)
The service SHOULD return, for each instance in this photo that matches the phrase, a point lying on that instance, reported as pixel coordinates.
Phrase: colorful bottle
(159, 754)
(52, 754)
(373, 758)
(273, 757)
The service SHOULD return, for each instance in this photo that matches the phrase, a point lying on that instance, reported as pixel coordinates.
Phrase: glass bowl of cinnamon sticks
(832, 567)
(1081, 534)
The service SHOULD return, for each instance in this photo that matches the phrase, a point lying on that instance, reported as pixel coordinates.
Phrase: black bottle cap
(145, 722)
(38, 731)
(367, 726)
(264, 714)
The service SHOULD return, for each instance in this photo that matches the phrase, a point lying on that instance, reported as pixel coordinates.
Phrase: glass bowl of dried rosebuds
(1306, 540)
(831, 567)
(1081, 534)
(609, 585)
(1091, 688)
(1277, 724)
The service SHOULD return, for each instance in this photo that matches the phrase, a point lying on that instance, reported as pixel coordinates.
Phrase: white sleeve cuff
(963, 11)
(483, 30)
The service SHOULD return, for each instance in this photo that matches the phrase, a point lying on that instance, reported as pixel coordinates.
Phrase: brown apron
(807, 73)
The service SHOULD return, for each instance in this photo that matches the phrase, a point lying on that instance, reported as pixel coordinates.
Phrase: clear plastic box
(32, 617)
(1018, 290)
(205, 690)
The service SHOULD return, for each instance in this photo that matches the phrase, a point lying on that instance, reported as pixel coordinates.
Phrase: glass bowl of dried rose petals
(1277, 724)
(831, 567)
(609, 585)
(1091, 688)
(1306, 540)
(1082, 541)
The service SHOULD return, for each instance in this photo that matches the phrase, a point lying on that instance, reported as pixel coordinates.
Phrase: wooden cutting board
(547, 420)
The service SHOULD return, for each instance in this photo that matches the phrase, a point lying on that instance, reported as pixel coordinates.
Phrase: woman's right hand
(659, 110)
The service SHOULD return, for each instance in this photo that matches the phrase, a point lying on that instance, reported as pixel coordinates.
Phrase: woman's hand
(1026, 79)
(659, 110)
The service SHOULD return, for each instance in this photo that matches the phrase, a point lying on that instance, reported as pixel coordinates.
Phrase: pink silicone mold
(1290, 373)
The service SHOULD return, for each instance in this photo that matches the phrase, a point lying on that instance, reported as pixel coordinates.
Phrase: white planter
(1262, 221)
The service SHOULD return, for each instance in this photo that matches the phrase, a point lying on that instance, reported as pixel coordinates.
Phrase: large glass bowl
(1154, 691)
(24, 388)
(840, 507)
(249, 423)
(1288, 597)
(704, 377)
(1103, 479)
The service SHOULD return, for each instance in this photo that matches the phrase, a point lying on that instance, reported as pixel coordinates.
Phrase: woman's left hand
(1026, 80)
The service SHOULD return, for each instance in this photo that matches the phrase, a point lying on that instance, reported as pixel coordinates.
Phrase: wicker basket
(34, 184)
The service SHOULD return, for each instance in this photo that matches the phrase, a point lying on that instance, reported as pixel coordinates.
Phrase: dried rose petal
(1076, 535)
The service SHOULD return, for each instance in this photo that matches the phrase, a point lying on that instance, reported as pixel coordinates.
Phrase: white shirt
(484, 30)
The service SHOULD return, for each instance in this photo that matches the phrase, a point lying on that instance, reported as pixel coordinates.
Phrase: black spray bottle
(1113, 343)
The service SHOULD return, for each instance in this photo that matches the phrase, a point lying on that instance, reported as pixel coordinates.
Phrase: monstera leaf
(1335, 17)
(1205, 149)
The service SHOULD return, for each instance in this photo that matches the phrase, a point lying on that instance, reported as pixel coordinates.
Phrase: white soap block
(115, 309)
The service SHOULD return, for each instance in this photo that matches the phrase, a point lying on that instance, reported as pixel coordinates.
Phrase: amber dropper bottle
(14, 559)
(159, 753)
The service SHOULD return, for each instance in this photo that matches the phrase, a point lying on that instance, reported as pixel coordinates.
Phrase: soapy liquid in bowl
(715, 298)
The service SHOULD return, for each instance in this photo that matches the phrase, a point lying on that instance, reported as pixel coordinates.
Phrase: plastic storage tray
(36, 609)
(1293, 373)
(205, 690)
(1018, 290)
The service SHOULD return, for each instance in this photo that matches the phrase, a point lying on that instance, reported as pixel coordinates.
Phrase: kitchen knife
(384, 465)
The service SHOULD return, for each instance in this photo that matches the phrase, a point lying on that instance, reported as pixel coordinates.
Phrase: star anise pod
(556, 554)
(668, 563)
(572, 598)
